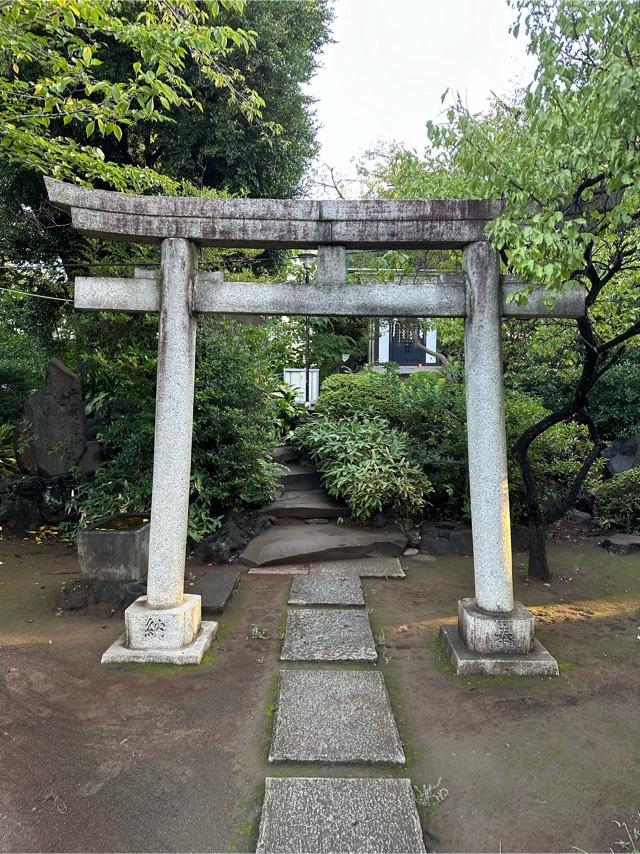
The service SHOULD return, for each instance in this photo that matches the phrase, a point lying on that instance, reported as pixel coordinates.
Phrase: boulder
(51, 437)
(306, 543)
(623, 454)
(231, 538)
(622, 544)
(30, 501)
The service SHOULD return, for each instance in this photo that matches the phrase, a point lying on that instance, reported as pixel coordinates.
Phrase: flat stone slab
(192, 654)
(539, 662)
(334, 716)
(310, 543)
(310, 814)
(373, 567)
(342, 590)
(623, 544)
(318, 634)
(215, 588)
(305, 504)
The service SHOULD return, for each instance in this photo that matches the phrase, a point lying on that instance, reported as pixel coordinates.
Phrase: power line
(36, 296)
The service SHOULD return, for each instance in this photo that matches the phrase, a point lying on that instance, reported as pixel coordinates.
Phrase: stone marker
(342, 590)
(310, 814)
(334, 716)
(51, 437)
(215, 588)
(316, 634)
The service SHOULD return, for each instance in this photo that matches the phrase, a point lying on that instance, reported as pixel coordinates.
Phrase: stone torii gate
(494, 633)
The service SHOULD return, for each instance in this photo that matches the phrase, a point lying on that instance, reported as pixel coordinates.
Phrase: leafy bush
(430, 411)
(367, 464)
(615, 400)
(17, 382)
(617, 501)
(8, 464)
(361, 394)
(233, 434)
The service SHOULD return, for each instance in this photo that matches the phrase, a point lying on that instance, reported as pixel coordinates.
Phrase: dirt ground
(130, 758)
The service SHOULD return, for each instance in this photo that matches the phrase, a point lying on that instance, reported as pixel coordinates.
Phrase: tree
(564, 157)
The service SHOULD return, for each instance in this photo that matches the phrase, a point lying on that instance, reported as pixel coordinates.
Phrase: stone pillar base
(487, 633)
(163, 635)
(487, 644)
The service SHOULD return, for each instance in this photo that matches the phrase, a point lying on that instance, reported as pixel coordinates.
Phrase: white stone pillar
(173, 425)
(488, 481)
(166, 625)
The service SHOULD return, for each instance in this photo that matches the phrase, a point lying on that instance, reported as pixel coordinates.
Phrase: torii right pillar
(495, 634)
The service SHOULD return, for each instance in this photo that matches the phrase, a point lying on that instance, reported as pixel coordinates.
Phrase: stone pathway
(335, 717)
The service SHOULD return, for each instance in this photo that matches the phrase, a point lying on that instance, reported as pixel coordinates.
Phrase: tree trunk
(538, 563)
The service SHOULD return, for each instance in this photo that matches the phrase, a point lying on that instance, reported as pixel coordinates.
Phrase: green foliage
(617, 501)
(364, 393)
(234, 418)
(288, 413)
(615, 400)
(430, 412)
(367, 464)
(58, 96)
(8, 464)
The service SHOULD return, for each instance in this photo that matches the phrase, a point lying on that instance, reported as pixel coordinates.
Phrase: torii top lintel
(275, 223)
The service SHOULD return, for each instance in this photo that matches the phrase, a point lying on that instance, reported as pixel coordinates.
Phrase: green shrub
(615, 400)
(367, 464)
(361, 394)
(617, 501)
(233, 434)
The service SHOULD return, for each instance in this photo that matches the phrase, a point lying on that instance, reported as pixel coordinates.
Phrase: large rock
(30, 501)
(51, 438)
(623, 544)
(623, 454)
(305, 543)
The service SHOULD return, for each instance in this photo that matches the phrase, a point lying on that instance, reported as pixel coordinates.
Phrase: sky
(391, 60)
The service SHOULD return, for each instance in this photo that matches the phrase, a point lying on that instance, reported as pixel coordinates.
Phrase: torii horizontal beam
(442, 296)
(275, 223)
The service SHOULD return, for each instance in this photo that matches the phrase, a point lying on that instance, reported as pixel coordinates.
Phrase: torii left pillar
(165, 626)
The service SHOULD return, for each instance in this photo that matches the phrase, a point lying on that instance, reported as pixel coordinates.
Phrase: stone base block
(509, 633)
(539, 662)
(162, 628)
(118, 653)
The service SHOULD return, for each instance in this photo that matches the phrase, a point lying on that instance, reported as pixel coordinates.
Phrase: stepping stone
(215, 588)
(334, 716)
(375, 567)
(299, 476)
(306, 504)
(317, 634)
(326, 590)
(623, 544)
(324, 815)
(308, 543)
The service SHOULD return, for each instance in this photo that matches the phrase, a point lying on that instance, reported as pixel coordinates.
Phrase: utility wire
(37, 296)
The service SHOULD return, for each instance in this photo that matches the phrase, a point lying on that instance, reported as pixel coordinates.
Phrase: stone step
(343, 590)
(306, 504)
(284, 454)
(300, 476)
(215, 588)
(325, 815)
(372, 567)
(306, 544)
(334, 716)
(321, 634)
